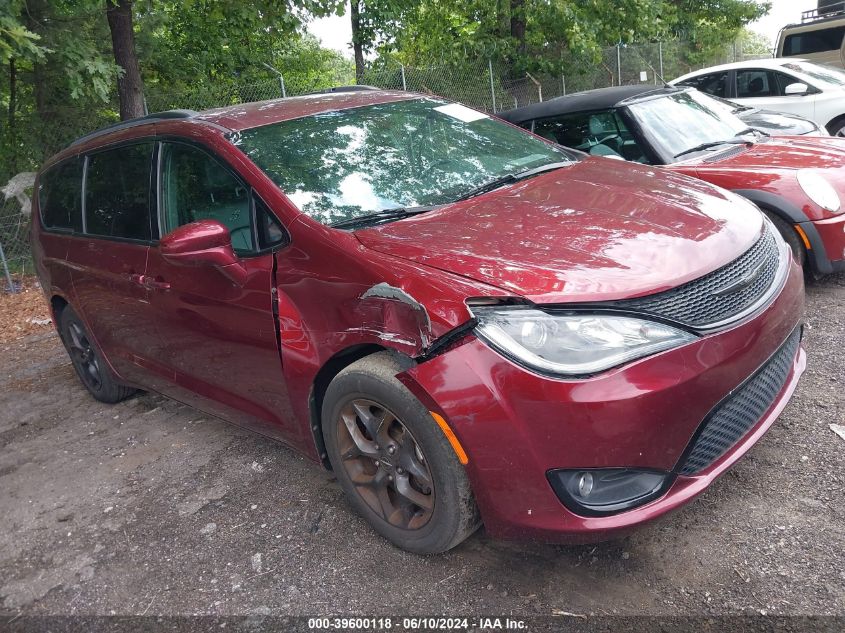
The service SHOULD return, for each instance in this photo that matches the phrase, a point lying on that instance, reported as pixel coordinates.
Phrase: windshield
(679, 122)
(342, 165)
(826, 74)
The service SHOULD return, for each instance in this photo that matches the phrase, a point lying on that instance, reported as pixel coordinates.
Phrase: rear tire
(393, 462)
(88, 361)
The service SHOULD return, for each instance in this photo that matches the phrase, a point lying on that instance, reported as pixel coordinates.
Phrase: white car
(794, 86)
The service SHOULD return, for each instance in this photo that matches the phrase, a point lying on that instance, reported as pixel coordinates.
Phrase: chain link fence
(486, 85)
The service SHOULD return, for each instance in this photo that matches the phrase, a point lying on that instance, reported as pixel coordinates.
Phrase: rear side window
(821, 41)
(713, 84)
(60, 196)
(117, 192)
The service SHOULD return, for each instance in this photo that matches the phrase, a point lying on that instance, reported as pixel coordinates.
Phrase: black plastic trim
(125, 125)
(691, 444)
(816, 254)
(594, 511)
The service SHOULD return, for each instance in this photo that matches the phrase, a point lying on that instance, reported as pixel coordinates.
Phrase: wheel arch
(57, 306)
(787, 211)
(331, 368)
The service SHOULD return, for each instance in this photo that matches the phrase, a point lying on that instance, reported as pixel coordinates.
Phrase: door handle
(148, 282)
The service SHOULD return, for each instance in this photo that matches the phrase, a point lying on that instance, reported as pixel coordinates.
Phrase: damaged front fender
(394, 316)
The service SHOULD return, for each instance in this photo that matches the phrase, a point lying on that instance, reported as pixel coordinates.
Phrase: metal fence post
(660, 57)
(619, 64)
(12, 289)
(492, 88)
(279, 75)
(563, 84)
(404, 85)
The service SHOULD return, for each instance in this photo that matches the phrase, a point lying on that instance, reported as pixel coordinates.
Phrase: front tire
(88, 362)
(837, 127)
(393, 462)
(787, 232)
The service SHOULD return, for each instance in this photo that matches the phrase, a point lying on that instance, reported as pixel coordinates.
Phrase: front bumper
(516, 426)
(827, 243)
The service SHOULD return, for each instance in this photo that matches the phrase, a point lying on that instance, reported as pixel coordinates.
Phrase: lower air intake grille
(732, 419)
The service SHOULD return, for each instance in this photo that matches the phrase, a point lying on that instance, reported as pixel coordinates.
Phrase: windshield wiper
(507, 179)
(731, 141)
(385, 215)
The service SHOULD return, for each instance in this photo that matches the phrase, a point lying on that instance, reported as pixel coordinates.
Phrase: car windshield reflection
(677, 123)
(338, 166)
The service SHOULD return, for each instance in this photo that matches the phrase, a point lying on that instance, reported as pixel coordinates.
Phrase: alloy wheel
(83, 356)
(385, 464)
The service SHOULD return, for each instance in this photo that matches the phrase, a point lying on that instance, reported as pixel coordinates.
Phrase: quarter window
(117, 192)
(60, 196)
(196, 187)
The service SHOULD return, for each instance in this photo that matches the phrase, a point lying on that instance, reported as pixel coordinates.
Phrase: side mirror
(796, 89)
(203, 243)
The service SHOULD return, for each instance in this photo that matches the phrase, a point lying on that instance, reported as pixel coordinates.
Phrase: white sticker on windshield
(460, 112)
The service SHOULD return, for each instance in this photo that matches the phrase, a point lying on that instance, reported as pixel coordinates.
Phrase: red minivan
(466, 323)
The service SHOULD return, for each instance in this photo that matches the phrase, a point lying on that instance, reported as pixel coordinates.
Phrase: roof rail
(353, 88)
(825, 10)
(122, 125)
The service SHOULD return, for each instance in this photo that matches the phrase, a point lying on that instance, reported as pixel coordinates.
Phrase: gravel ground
(150, 507)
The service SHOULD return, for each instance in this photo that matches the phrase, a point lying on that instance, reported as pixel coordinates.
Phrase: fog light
(601, 491)
(585, 484)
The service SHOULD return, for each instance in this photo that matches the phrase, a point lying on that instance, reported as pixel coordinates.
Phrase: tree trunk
(357, 44)
(518, 25)
(130, 88)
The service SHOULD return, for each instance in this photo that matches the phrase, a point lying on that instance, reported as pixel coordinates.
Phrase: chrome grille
(709, 299)
(734, 417)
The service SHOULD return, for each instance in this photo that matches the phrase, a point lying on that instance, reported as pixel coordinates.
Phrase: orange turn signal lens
(450, 435)
(803, 235)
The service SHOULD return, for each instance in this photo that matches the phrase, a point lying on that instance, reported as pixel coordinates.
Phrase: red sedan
(797, 181)
(465, 322)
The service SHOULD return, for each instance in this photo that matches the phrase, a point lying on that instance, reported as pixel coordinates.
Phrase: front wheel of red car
(393, 461)
(88, 361)
(789, 235)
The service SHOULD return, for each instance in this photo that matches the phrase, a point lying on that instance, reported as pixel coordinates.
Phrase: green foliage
(753, 44)
(559, 33)
(183, 42)
(16, 40)
(65, 76)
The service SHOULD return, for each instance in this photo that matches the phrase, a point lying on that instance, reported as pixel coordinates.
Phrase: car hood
(600, 229)
(800, 152)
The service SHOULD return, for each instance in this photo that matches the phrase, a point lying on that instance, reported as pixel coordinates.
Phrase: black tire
(453, 515)
(789, 236)
(88, 361)
(836, 127)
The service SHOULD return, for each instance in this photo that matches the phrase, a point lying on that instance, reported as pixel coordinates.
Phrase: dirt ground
(150, 507)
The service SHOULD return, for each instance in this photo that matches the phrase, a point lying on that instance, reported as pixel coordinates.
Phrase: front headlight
(819, 190)
(573, 344)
